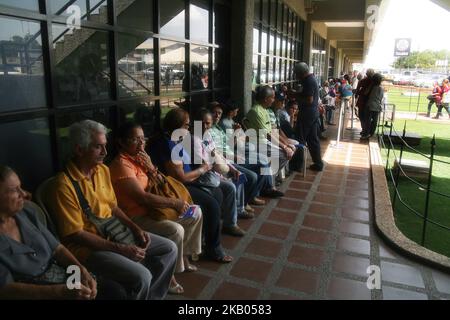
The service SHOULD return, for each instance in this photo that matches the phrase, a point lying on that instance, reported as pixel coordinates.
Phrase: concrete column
(307, 57)
(242, 16)
(327, 58)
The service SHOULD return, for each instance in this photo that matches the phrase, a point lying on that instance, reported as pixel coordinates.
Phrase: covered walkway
(316, 243)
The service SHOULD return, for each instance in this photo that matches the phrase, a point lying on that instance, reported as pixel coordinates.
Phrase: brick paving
(316, 243)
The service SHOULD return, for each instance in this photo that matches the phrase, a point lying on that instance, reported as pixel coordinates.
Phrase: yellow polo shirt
(69, 216)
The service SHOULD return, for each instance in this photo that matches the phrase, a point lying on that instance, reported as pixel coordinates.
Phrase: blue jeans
(229, 204)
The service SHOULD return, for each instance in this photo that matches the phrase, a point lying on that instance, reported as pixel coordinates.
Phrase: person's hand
(237, 126)
(181, 206)
(206, 167)
(63, 292)
(142, 237)
(293, 148)
(132, 252)
(89, 282)
(235, 173)
(144, 160)
(289, 152)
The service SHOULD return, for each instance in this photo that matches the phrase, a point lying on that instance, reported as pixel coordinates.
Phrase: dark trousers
(443, 106)
(264, 182)
(430, 105)
(308, 132)
(211, 203)
(364, 118)
(373, 119)
(253, 185)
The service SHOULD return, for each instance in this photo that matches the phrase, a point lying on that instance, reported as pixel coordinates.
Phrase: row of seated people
(152, 205)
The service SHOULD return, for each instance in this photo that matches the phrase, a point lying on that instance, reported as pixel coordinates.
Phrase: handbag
(54, 274)
(111, 228)
(208, 179)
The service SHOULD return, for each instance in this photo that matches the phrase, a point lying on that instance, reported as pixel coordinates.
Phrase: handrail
(134, 79)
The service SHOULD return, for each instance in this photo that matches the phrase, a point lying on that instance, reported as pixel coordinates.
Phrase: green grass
(436, 239)
(404, 101)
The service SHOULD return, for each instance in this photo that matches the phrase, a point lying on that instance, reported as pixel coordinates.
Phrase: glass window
(22, 83)
(26, 149)
(199, 67)
(279, 16)
(101, 115)
(167, 104)
(264, 41)
(255, 77)
(265, 12)
(28, 4)
(277, 70)
(271, 44)
(222, 24)
(263, 76)
(279, 53)
(81, 65)
(270, 73)
(199, 20)
(258, 10)
(136, 14)
(284, 47)
(135, 66)
(172, 67)
(142, 113)
(172, 15)
(92, 10)
(283, 70)
(255, 40)
(273, 12)
(285, 19)
(221, 68)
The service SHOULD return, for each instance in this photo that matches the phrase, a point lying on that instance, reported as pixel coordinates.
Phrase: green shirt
(258, 118)
(219, 137)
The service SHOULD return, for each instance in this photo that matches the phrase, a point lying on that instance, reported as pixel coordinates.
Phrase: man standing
(362, 94)
(308, 123)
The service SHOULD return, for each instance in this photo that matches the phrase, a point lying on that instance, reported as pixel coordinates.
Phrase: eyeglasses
(136, 140)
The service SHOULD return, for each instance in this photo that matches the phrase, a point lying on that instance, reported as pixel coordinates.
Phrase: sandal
(190, 268)
(223, 259)
(176, 289)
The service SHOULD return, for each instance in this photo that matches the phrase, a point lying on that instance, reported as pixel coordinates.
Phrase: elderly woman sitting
(155, 202)
(26, 269)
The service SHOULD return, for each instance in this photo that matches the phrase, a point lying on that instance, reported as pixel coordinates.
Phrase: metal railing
(393, 173)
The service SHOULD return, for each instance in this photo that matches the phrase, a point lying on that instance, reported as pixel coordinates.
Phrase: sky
(426, 23)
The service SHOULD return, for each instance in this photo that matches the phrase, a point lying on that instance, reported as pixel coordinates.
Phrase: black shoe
(272, 193)
(316, 167)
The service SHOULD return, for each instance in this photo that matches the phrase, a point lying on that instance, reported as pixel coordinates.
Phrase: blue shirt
(161, 153)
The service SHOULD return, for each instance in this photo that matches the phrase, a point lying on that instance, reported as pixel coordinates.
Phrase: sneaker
(316, 167)
(246, 215)
(234, 231)
(272, 193)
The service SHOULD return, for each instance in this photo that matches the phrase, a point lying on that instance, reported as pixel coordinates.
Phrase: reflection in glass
(92, 10)
(221, 24)
(279, 16)
(167, 104)
(263, 76)
(199, 20)
(257, 10)
(221, 68)
(28, 4)
(255, 77)
(270, 74)
(265, 17)
(284, 47)
(199, 67)
(172, 14)
(172, 66)
(255, 40)
(264, 42)
(81, 65)
(142, 113)
(277, 70)
(285, 19)
(271, 44)
(279, 46)
(135, 66)
(273, 12)
(101, 115)
(29, 152)
(136, 14)
(22, 83)
(282, 70)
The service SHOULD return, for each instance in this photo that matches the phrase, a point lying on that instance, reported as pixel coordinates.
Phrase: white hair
(301, 68)
(80, 133)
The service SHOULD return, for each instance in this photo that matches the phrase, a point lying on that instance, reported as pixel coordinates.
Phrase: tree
(422, 60)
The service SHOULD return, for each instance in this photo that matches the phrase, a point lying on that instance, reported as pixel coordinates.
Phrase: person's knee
(178, 234)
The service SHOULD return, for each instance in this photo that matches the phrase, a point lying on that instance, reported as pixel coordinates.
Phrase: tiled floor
(316, 243)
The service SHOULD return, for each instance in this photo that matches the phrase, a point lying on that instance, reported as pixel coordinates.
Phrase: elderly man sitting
(83, 198)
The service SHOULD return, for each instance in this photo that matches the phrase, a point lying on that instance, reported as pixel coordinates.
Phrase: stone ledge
(384, 217)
